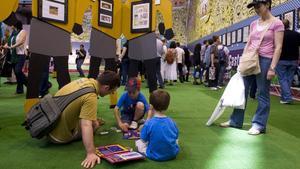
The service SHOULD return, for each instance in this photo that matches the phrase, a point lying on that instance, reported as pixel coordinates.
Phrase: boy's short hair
(109, 78)
(160, 100)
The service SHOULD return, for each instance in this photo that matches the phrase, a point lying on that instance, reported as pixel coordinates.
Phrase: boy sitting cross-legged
(159, 136)
(132, 106)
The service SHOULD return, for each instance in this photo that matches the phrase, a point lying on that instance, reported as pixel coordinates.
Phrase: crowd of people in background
(208, 63)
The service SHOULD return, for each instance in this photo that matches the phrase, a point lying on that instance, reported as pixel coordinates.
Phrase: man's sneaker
(219, 87)
(284, 102)
(213, 88)
(133, 125)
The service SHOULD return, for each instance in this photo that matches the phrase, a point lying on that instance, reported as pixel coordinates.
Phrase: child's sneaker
(133, 125)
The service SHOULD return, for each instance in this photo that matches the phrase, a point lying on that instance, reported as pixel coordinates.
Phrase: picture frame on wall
(233, 37)
(291, 17)
(298, 18)
(105, 5)
(239, 36)
(224, 39)
(53, 10)
(279, 17)
(228, 39)
(246, 32)
(141, 16)
(106, 11)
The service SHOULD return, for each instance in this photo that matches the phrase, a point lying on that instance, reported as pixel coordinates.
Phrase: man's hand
(124, 126)
(90, 161)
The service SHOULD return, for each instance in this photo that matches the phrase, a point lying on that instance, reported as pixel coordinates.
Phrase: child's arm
(123, 126)
(150, 113)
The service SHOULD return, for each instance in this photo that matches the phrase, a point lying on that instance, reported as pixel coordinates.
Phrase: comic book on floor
(118, 154)
(131, 135)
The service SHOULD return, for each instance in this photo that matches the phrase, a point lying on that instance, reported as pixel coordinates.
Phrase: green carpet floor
(201, 147)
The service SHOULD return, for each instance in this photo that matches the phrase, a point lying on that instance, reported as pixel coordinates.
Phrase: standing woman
(269, 54)
(171, 65)
(197, 64)
(16, 44)
(187, 62)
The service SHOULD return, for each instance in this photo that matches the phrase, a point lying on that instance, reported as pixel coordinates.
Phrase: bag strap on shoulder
(64, 101)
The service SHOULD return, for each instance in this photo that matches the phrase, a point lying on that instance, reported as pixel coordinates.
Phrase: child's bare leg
(139, 111)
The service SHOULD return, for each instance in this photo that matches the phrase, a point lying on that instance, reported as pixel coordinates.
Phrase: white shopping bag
(233, 96)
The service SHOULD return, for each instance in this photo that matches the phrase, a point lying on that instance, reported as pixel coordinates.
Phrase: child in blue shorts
(131, 107)
(159, 136)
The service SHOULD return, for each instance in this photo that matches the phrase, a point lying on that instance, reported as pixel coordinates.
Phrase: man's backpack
(170, 58)
(222, 55)
(42, 117)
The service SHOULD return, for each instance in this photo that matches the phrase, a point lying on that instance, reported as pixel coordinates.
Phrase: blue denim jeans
(20, 76)
(79, 63)
(124, 72)
(158, 72)
(261, 116)
(221, 74)
(286, 71)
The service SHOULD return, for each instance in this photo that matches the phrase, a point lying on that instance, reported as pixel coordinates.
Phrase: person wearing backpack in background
(171, 66)
(79, 118)
(214, 63)
(223, 55)
(207, 61)
(197, 64)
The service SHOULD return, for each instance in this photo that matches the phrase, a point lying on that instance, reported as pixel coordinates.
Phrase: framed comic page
(228, 39)
(233, 37)
(246, 33)
(53, 10)
(291, 17)
(106, 13)
(239, 36)
(141, 16)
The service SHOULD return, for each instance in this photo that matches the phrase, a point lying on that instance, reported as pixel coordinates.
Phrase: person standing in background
(187, 62)
(223, 55)
(16, 45)
(160, 53)
(124, 64)
(288, 62)
(163, 60)
(180, 61)
(81, 54)
(197, 64)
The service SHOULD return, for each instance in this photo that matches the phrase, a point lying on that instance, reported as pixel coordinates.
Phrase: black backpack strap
(64, 101)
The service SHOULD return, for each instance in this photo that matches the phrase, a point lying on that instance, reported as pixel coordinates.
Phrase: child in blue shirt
(132, 106)
(159, 136)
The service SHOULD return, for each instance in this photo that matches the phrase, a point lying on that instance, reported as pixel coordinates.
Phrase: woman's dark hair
(286, 24)
(210, 41)
(109, 78)
(18, 25)
(268, 2)
(173, 45)
(197, 49)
